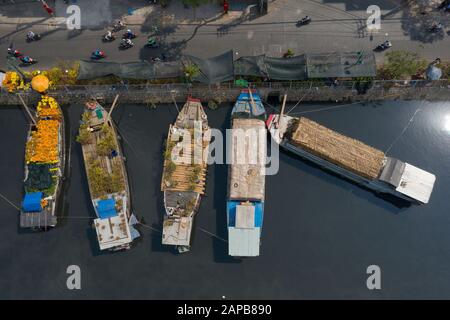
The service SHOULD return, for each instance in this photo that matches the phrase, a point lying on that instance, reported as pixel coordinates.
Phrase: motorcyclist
(127, 42)
(30, 35)
(25, 59)
(129, 34)
(97, 53)
(387, 44)
(109, 35)
(13, 52)
(151, 41)
(436, 26)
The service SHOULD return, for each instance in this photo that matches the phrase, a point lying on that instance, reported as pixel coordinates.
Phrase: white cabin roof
(416, 183)
(243, 242)
(177, 232)
(112, 232)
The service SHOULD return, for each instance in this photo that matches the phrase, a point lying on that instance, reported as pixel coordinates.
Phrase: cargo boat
(184, 174)
(351, 158)
(246, 175)
(107, 179)
(45, 164)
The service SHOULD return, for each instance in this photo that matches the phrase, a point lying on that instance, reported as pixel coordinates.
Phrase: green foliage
(84, 136)
(191, 70)
(402, 64)
(107, 143)
(101, 182)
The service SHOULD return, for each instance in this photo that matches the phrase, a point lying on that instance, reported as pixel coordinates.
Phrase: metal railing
(291, 85)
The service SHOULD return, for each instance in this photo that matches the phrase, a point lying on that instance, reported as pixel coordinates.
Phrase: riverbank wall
(344, 91)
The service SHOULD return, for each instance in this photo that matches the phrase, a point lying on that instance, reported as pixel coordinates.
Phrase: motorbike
(35, 37)
(14, 53)
(125, 45)
(98, 55)
(304, 21)
(383, 46)
(435, 28)
(27, 60)
(109, 39)
(162, 58)
(152, 43)
(118, 27)
(127, 35)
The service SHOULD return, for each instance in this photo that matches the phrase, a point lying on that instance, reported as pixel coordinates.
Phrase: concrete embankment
(155, 94)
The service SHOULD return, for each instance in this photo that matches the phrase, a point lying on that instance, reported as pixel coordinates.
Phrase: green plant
(401, 64)
(107, 143)
(84, 136)
(191, 70)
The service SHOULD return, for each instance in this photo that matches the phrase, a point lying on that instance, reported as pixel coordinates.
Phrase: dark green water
(320, 232)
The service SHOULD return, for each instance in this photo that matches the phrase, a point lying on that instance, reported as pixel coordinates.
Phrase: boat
(184, 174)
(350, 158)
(107, 177)
(45, 165)
(246, 175)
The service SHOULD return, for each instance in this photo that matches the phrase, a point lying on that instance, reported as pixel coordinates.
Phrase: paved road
(335, 27)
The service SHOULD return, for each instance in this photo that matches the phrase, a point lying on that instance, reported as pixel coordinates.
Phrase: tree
(401, 64)
(191, 70)
(195, 4)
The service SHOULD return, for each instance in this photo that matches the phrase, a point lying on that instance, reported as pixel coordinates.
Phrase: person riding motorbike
(304, 20)
(127, 43)
(436, 27)
(31, 35)
(26, 59)
(152, 42)
(14, 53)
(129, 34)
(109, 36)
(98, 54)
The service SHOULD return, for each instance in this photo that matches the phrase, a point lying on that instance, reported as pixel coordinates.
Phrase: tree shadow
(416, 24)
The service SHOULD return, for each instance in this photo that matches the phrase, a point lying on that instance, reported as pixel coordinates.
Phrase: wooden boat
(107, 178)
(184, 174)
(350, 158)
(246, 181)
(46, 159)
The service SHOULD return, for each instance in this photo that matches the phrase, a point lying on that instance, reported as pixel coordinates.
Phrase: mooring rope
(9, 202)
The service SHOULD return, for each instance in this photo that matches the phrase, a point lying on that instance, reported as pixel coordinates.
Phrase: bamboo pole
(252, 101)
(112, 107)
(27, 109)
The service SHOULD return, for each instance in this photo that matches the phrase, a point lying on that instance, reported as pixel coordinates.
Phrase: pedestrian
(225, 6)
(47, 8)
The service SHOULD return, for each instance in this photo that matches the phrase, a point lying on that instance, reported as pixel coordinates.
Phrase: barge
(45, 164)
(107, 179)
(246, 175)
(351, 159)
(184, 173)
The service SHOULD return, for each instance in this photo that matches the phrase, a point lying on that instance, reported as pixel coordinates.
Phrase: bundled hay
(334, 147)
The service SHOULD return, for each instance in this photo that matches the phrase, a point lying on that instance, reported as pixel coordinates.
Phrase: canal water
(320, 232)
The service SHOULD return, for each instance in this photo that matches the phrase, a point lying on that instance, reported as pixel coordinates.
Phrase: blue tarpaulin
(106, 208)
(32, 202)
(231, 209)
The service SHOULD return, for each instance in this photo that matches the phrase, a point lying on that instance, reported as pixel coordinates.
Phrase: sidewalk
(102, 13)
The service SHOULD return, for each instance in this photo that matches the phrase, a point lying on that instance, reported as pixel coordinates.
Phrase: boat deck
(248, 147)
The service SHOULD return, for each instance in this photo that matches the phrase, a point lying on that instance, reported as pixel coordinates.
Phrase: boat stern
(244, 228)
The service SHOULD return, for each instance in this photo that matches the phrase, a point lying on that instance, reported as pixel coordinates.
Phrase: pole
(27, 109)
(112, 107)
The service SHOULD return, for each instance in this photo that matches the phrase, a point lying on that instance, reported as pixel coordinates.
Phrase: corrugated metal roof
(243, 242)
(416, 183)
